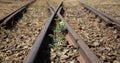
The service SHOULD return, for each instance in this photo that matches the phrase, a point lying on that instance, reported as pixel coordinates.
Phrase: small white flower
(62, 23)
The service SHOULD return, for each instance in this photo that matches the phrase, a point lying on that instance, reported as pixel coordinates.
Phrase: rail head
(107, 18)
(87, 56)
(5, 19)
(35, 48)
(85, 53)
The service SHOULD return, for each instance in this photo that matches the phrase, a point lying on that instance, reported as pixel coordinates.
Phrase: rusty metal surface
(115, 21)
(35, 48)
(86, 56)
(105, 17)
(97, 13)
(85, 52)
(9, 16)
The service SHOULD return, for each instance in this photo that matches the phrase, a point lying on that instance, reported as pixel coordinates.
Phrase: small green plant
(58, 34)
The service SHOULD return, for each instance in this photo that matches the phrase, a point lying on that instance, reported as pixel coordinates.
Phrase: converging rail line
(57, 35)
(85, 55)
(34, 56)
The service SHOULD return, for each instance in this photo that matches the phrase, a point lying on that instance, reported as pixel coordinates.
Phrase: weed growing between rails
(55, 48)
(58, 35)
(60, 49)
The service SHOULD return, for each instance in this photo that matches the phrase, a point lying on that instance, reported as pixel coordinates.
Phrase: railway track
(111, 7)
(9, 6)
(58, 42)
(105, 17)
(98, 35)
(9, 18)
(16, 42)
(38, 54)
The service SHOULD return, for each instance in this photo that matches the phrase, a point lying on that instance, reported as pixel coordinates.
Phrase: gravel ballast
(16, 42)
(103, 41)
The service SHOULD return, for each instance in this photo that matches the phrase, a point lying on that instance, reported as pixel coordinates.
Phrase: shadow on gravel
(43, 55)
(62, 11)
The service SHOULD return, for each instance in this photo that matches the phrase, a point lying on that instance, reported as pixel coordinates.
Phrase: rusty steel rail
(115, 21)
(8, 17)
(35, 48)
(86, 56)
(107, 18)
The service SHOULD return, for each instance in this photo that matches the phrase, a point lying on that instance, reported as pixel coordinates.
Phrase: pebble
(96, 44)
(115, 61)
